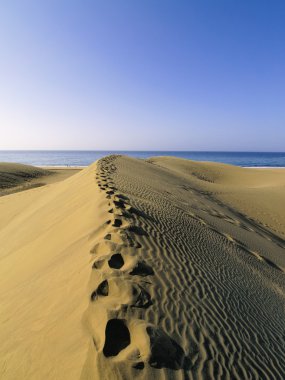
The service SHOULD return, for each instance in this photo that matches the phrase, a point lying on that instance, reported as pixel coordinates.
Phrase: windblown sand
(157, 269)
(19, 177)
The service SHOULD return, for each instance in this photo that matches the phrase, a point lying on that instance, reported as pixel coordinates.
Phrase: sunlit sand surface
(133, 269)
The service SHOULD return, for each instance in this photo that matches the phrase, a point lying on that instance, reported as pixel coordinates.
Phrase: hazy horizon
(141, 150)
(125, 76)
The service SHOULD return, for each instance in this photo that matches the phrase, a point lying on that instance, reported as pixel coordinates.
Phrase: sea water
(85, 158)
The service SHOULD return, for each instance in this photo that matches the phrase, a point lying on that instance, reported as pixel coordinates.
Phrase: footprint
(139, 365)
(127, 239)
(102, 290)
(121, 196)
(165, 352)
(98, 264)
(116, 261)
(140, 213)
(118, 212)
(142, 298)
(117, 337)
(137, 230)
(120, 204)
(117, 223)
(108, 237)
(142, 269)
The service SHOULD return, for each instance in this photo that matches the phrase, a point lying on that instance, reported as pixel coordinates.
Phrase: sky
(142, 75)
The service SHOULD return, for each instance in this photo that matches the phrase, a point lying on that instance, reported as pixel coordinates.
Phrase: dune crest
(123, 341)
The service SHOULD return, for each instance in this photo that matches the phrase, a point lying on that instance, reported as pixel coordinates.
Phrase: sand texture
(12, 175)
(18, 177)
(133, 269)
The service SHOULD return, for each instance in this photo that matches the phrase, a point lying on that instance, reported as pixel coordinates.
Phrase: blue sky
(146, 75)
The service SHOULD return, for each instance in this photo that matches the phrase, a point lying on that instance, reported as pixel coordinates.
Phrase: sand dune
(12, 175)
(19, 177)
(164, 269)
(256, 193)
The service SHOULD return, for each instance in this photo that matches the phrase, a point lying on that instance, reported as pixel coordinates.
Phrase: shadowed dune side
(184, 288)
(18, 177)
(12, 175)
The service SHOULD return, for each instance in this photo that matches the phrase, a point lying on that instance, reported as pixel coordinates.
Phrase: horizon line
(140, 150)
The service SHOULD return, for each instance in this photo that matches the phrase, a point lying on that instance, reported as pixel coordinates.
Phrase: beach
(161, 268)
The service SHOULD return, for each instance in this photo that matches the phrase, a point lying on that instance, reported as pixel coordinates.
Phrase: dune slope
(12, 174)
(140, 269)
(44, 271)
(186, 288)
(18, 177)
(258, 193)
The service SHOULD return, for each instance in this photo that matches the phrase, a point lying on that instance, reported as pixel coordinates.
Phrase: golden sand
(157, 269)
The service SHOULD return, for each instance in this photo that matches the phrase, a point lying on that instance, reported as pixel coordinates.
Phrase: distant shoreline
(86, 166)
(65, 167)
(263, 167)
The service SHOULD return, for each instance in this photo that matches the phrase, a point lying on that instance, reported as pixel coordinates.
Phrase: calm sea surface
(84, 158)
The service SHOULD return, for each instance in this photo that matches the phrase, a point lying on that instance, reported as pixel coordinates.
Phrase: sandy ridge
(125, 342)
(210, 294)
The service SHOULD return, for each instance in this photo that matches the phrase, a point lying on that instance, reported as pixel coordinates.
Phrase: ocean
(85, 158)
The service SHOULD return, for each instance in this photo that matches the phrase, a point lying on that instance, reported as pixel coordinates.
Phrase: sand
(19, 177)
(133, 269)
